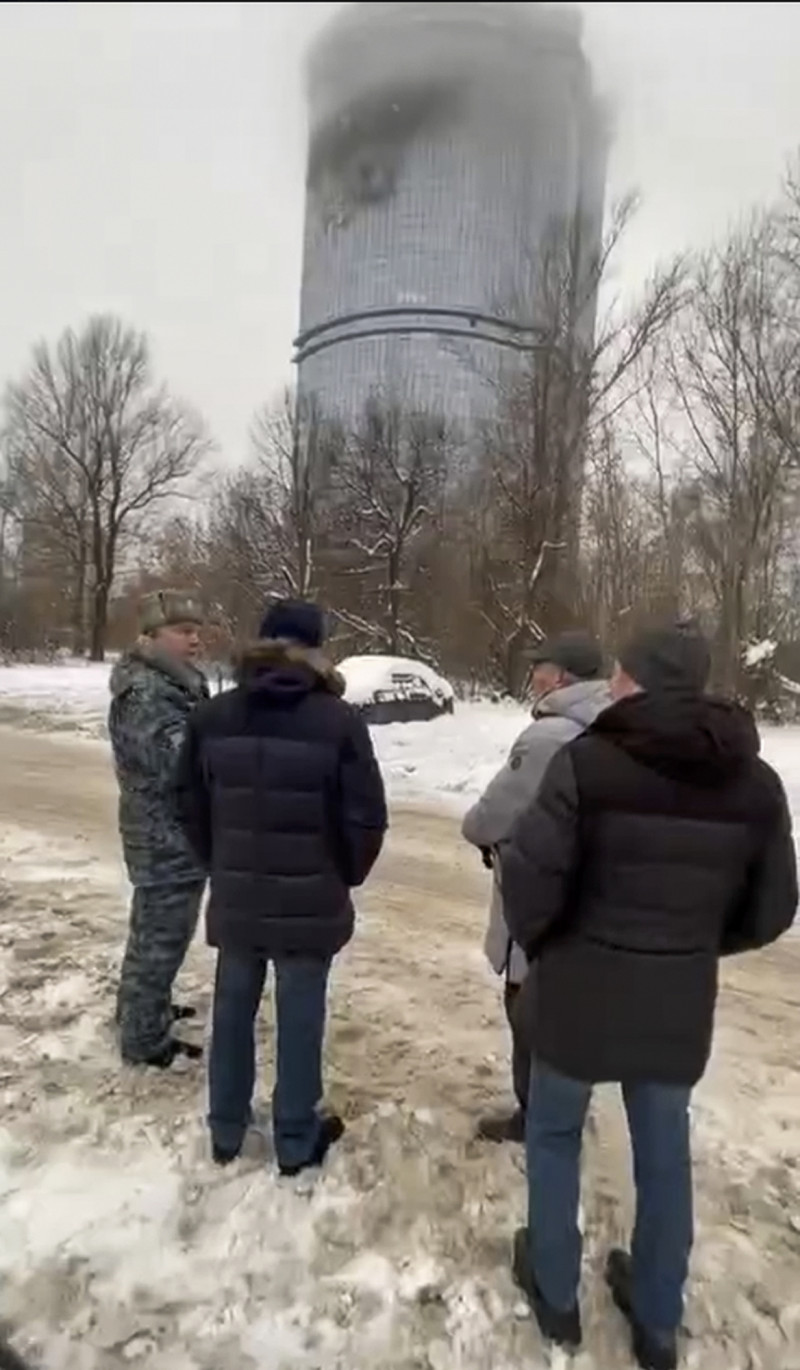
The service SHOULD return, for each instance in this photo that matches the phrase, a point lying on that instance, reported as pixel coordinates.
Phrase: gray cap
(674, 660)
(166, 608)
(576, 653)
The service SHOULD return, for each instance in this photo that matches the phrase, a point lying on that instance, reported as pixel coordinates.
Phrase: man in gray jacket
(568, 693)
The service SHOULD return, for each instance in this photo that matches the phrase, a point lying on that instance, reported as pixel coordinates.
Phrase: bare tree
(241, 545)
(264, 527)
(779, 381)
(385, 501)
(519, 536)
(96, 452)
(726, 365)
(577, 373)
(617, 539)
(8, 586)
(49, 507)
(294, 449)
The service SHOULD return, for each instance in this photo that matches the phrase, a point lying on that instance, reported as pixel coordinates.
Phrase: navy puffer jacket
(281, 798)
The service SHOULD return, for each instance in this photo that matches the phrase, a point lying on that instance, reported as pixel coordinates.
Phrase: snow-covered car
(395, 689)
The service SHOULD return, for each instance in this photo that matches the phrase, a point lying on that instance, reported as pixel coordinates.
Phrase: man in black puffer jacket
(658, 842)
(282, 800)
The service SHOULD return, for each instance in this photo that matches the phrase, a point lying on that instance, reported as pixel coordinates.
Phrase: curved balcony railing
(406, 320)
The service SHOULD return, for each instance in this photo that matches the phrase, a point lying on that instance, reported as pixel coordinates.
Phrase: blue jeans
(300, 991)
(658, 1121)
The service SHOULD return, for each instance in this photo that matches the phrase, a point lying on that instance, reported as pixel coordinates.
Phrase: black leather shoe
(331, 1130)
(562, 1327)
(504, 1127)
(164, 1058)
(223, 1155)
(653, 1350)
(9, 1358)
(182, 1012)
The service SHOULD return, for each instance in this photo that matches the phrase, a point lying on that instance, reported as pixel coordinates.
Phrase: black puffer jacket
(282, 800)
(658, 842)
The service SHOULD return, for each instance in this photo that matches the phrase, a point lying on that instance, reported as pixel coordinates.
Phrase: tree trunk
(393, 605)
(104, 555)
(97, 650)
(79, 607)
(304, 565)
(727, 667)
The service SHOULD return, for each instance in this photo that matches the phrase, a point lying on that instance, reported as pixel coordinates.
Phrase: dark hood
(282, 671)
(693, 739)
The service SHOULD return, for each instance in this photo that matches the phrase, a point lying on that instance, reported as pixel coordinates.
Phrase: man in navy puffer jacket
(281, 798)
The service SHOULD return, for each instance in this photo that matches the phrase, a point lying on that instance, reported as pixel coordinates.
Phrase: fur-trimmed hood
(281, 668)
(145, 663)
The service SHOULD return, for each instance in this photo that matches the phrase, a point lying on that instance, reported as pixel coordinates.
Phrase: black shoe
(9, 1358)
(653, 1350)
(182, 1012)
(223, 1155)
(331, 1130)
(164, 1058)
(563, 1328)
(506, 1127)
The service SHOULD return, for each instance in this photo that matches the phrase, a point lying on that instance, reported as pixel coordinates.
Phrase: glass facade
(448, 143)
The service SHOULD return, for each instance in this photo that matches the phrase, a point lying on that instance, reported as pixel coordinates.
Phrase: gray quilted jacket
(557, 719)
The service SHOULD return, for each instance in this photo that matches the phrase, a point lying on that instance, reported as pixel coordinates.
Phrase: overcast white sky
(151, 163)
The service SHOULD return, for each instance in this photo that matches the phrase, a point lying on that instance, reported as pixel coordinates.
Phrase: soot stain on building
(355, 158)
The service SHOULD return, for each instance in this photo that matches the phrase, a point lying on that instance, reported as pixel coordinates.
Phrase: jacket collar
(277, 654)
(182, 673)
(582, 701)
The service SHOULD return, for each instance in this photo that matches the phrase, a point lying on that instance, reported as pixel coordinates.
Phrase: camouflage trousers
(163, 921)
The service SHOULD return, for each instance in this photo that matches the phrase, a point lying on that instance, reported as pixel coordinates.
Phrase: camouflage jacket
(152, 697)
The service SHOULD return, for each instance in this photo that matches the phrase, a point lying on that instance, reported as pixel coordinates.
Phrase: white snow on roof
(367, 676)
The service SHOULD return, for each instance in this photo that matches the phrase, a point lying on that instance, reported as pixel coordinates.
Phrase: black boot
(653, 1350)
(331, 1129)
(164, 1057)
(9, 1358)
(503, 1127)
(563, 1328)
(223, 1155)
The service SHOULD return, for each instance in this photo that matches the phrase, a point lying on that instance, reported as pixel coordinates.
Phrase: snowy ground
(448, 760)
(122, 1244)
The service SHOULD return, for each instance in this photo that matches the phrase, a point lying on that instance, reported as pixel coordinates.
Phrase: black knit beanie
(294, 620)
(674, 660)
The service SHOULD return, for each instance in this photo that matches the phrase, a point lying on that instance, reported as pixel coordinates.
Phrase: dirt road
(417, 1049)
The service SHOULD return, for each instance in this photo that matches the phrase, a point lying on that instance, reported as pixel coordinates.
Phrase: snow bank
(448, 760)
(76, 688)
(367, 676)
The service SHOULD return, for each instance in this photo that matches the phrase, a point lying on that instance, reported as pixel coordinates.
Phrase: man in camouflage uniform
(154, 689)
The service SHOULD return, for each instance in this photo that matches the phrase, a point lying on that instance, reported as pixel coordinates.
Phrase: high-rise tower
(446, 141)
